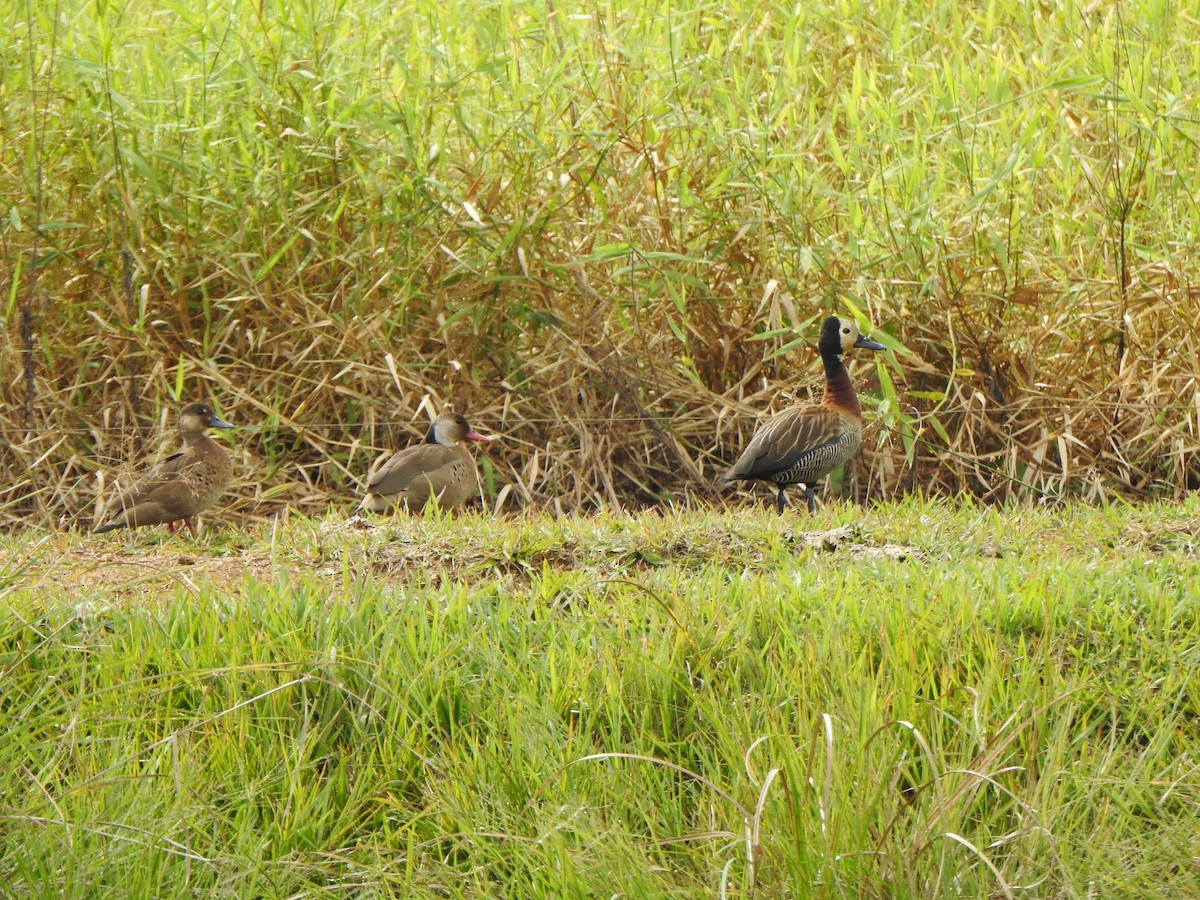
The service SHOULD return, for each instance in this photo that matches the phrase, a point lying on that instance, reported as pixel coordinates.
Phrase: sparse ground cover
(922, 699)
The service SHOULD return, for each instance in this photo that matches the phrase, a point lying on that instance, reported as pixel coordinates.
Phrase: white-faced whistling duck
(805, 443)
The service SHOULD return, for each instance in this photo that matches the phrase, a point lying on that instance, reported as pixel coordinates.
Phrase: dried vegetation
(606, 237)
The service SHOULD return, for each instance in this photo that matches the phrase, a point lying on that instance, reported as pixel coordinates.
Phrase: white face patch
(849, 333)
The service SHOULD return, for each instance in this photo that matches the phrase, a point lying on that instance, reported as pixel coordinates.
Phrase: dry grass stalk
(616, 419)
(611, 283)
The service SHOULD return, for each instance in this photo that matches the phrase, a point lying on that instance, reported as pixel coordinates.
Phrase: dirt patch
(849, 539)
(1178, 536)
(144, 566)
(129, 570)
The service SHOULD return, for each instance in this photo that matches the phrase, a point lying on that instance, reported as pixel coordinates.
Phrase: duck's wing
(414, 475)
(164, 494)
(806, 438)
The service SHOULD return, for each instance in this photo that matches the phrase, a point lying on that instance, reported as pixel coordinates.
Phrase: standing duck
(441, 468)
(805, 443)
(181, 486)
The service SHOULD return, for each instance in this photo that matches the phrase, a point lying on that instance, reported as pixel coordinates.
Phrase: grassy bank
(606, 233)
(913, 699)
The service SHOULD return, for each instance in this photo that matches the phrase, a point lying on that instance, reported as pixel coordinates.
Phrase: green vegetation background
(605, 231)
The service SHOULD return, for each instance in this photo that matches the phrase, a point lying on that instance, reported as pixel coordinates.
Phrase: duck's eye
(845, 331)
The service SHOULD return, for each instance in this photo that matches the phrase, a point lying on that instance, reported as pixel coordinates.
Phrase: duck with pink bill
(439, 470)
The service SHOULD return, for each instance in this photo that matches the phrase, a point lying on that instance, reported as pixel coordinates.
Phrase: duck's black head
(840, 335)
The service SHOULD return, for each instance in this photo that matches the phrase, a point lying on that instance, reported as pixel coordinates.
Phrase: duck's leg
(781, 499)
(812, 499)
(191, 529)
(171, 527)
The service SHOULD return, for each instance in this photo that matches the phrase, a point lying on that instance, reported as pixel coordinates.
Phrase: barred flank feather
(799, 446)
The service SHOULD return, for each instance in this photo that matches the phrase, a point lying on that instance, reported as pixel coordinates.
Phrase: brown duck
(804, 444)
(440, 468)
(181, 486)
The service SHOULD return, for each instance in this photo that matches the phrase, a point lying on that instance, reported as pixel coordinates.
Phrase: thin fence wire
(996, 408)
(976, 462)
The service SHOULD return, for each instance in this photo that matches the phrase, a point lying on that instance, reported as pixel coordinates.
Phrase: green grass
(914, 700)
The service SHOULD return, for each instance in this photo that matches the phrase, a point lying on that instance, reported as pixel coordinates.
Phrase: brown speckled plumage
(804, 444)
(441, 468)
(181, 486)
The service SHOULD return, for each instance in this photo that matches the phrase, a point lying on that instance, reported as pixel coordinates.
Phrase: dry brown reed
(331, 253)
(597, 412)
